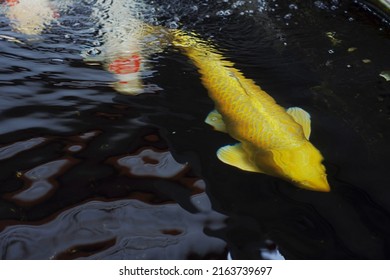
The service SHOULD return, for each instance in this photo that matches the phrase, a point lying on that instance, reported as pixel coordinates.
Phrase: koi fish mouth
(320, 185)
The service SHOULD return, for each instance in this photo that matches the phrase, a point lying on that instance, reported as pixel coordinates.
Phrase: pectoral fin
(214, 118)
(236, 156)
(303, 118)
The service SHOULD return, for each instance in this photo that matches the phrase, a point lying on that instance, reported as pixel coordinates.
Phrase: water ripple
(40, 182)
(137, 231)
(89, 173)
(18, 147)
(152, 163)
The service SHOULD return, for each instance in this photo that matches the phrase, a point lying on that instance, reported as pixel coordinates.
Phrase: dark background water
(86, 172)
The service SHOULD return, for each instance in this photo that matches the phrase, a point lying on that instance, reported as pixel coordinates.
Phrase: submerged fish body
(272, 140)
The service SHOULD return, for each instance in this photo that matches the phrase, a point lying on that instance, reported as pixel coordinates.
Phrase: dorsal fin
(303, 118)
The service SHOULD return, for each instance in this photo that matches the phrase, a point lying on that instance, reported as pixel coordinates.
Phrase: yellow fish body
(272, 140)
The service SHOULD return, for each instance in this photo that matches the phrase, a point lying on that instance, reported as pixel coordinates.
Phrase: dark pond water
(88, 171)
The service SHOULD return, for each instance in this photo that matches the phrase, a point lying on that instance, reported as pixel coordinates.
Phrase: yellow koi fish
(272, 140)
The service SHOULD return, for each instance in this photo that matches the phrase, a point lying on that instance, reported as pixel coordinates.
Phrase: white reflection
(140, 231)
(123, 50)
(41, 181)
(18, 147)
(30, 17)
(152, 163)
(271, 254)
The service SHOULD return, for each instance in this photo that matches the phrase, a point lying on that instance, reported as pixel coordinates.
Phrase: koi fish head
(303, 167)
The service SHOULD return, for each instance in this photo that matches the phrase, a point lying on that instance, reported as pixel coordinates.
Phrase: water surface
(89, 172)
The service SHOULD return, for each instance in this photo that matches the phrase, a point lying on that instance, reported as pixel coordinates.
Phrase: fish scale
(272, 140)
(247, 114)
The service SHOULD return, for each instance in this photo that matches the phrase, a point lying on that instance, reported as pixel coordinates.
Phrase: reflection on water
(15, 148)
(88, 172)
(119, 229)
(30, 17)
(39, 182)
(119, 44)
(152, 163)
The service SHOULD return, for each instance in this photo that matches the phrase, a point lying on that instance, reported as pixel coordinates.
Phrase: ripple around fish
(137, 231)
